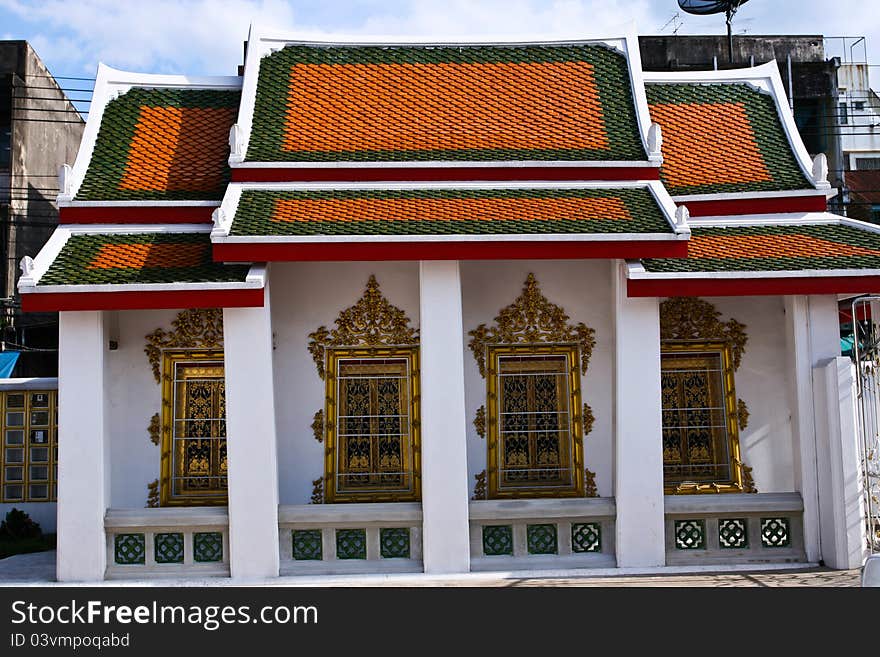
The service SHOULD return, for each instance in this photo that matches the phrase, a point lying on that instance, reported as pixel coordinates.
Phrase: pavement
(38, 569)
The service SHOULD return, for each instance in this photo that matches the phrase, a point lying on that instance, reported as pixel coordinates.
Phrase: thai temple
(375, 307)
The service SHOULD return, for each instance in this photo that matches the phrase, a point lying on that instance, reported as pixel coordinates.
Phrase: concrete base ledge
(356, 515)
(178, 517)
(733, 503)
(549, 509)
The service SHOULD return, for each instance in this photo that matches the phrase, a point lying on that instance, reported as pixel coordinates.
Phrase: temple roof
(330, 103)
(449, 212)
(162, 144)
(723, 137)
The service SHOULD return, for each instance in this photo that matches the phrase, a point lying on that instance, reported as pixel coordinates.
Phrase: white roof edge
(742, 196)
(110, 83)
(218, 238)
(747, 74)
(254, 283)
(442, 164)
(445, 184)
(777, 219)
(642, 274)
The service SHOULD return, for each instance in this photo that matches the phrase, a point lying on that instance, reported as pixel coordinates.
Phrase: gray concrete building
(40, 129)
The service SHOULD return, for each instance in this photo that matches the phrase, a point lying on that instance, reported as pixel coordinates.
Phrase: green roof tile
(396, 103)
(774, 248)
(722, 138)
(447, 212)
(139, 258)
(162, 144)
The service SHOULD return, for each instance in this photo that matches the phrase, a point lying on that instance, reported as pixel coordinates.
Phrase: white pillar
(445, 533)
(251, 442)
(83, 450)
(800, 370)
(638, 450)
(843, 502)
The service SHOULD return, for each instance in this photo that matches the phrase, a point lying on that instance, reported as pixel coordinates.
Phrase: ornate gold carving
(318, 426)
(195, 328)
(742, 414)
(480, 422)
(318, 491)
(690, 318)
(153, 494)
(480, 486)
(748, 482)
(590, 489)
(155, 429)
(531, 319)
(588, 419)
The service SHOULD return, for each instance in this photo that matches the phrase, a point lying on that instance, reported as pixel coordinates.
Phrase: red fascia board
(743, 287)
(200, 214)
(775, 205)
(152, 300)
(375, 251)
(438, 174)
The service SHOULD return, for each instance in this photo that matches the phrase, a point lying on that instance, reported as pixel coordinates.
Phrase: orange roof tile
(138, 256)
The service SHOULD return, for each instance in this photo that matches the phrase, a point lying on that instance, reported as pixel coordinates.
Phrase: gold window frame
(571, 353)
(334, 357)
(737, 482)
(166, 494)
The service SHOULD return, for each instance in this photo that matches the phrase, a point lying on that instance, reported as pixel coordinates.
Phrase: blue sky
(202, 37)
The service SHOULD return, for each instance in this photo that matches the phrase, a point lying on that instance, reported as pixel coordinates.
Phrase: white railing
(167, 542)
(542, 534)
(329, 539)
(734, 529)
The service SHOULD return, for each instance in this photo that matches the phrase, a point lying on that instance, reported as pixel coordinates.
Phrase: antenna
(705, 7)
(675, 21)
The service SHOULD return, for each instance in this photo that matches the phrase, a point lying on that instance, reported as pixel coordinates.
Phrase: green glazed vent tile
(168, 548)
(497, 540)
(207, 547)
(129, 549)
(690, 534)
(541, 539)
(394, 543)
(351, 544)
(586, 537)
(775, 532)
(307, 545)
(733, 533)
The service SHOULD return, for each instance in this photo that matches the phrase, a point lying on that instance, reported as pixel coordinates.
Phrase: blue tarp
(8, 359)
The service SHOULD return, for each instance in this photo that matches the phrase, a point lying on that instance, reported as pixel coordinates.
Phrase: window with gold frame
(29, 457)
(194, 463)
(372, 448)
(535, 430)
(700, 426)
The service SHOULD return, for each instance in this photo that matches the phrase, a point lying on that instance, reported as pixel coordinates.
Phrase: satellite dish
(705, 7)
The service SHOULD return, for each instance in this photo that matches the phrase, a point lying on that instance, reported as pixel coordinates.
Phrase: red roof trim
(130, 300)
(726, 207)
(742, 287)
(200, 214)
(436, 174)
(375, 251)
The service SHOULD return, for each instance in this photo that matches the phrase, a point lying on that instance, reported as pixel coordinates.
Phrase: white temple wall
(761, 382)
(134, 397)
(305, 296)
(583, 289)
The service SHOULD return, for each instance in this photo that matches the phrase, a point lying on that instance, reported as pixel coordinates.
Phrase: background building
(40, 129)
